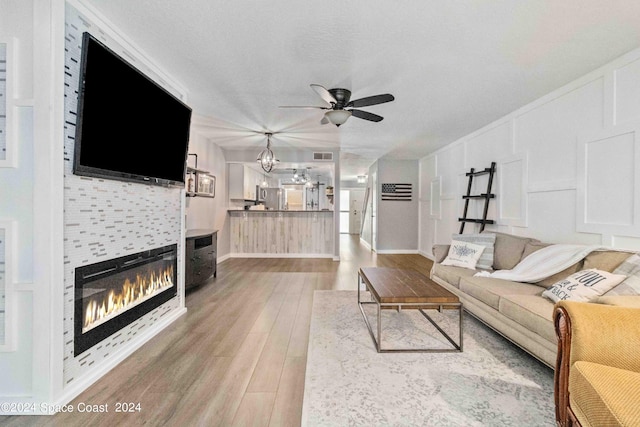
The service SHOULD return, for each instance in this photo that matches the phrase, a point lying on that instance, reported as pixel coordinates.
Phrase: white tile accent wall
(105, 219)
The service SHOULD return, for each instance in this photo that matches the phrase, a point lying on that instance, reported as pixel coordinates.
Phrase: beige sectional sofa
(516, 310)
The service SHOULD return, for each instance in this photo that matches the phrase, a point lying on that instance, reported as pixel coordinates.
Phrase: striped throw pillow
(488, 240)
(631, 285)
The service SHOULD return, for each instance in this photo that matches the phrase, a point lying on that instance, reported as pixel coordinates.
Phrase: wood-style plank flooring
(238, 357)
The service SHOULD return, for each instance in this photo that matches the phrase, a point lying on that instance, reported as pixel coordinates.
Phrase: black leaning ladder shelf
(484, 196)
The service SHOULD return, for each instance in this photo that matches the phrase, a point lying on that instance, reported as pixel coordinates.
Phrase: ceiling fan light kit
(338, 117)
(341, 108)
(266, 158)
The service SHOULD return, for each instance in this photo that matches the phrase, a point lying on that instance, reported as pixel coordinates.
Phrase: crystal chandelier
(266, 158)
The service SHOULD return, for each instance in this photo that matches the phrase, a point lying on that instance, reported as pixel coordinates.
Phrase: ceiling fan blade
(324, 120)
(324, 93)
(366, 115)
(308, 107)
(371, 100)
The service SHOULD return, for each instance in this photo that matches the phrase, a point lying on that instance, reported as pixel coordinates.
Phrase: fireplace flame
(104, 307)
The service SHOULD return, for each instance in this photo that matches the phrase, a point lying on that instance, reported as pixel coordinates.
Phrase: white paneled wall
(568, 166)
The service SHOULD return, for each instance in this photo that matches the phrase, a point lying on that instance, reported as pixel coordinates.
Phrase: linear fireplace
(111, 294)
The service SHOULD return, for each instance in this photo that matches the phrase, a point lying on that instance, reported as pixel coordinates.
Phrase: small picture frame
(7, 252)
(7, 116)
(206, 185)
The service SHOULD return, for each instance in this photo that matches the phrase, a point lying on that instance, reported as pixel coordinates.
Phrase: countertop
(274, 210)
(197, 232)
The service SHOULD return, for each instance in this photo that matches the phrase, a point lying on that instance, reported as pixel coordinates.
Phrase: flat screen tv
(128, 127)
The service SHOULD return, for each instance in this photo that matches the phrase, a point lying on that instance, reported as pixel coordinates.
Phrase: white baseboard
(364, 242)
(427, 255)
(81, 385)
(270, 255)
(397, 251)
(223, 258)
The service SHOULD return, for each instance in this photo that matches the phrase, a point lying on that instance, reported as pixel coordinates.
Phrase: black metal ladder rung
(483, 196)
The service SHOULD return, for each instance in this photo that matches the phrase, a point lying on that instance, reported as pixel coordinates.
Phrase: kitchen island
(282, 233)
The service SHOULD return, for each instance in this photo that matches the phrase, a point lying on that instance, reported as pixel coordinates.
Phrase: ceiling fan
(341, 107)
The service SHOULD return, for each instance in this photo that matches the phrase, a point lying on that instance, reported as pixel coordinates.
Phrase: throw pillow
(631, 285)
(585, 285)
(488, 240)
(463, 254)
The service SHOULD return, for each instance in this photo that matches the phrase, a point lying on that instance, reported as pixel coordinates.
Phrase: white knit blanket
(543, 263)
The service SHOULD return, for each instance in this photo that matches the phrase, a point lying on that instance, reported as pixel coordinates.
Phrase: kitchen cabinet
(243, 181)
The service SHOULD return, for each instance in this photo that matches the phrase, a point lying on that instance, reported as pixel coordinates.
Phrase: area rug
(348, 383)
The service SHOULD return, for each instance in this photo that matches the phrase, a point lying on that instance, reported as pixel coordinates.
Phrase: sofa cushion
(531, 311)
(531, 247)
(451, 274)
(602, 395)
(605, 260)
(508, 249)
(489, 290)
(620, 300)
(552, 280)
(440, 252)
(488, 240)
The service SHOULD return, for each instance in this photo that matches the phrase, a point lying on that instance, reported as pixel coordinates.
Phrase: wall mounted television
(128, 127)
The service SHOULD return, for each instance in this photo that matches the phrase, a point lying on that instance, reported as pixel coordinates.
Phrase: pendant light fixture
(266, 158)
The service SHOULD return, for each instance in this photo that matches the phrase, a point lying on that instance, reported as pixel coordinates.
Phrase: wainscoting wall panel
(627, 92)
(566, 172)
(548, 131)
(481, 151)
(512, 190)
(609, 180)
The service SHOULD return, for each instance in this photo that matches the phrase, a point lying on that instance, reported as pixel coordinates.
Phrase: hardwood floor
(238, 357)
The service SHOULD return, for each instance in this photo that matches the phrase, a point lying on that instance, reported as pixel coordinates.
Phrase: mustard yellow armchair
(597, 377)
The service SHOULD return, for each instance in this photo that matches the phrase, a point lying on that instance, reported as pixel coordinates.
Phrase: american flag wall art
(397, 192)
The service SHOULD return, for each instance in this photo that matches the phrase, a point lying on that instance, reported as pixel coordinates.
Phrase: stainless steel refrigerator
(273, 198)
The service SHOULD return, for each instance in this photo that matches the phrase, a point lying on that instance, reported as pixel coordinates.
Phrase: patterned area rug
(347, 383)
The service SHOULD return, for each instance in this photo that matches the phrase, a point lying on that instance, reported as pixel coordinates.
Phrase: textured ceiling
(453, 66)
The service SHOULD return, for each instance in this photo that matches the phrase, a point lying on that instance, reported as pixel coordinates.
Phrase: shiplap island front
(282, 233)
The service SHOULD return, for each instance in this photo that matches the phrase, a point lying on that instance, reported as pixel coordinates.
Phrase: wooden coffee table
(397, 289)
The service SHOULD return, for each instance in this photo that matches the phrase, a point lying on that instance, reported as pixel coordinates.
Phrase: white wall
(397, 220)
(568, 166)
(396, 223)
(17, 205)
(203, 212)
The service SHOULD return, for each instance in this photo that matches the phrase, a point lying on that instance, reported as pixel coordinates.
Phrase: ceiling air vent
(322, 156)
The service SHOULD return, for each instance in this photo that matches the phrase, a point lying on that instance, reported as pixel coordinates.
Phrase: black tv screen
(128, 127)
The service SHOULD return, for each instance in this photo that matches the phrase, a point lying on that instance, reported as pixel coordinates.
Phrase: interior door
(356, 198)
